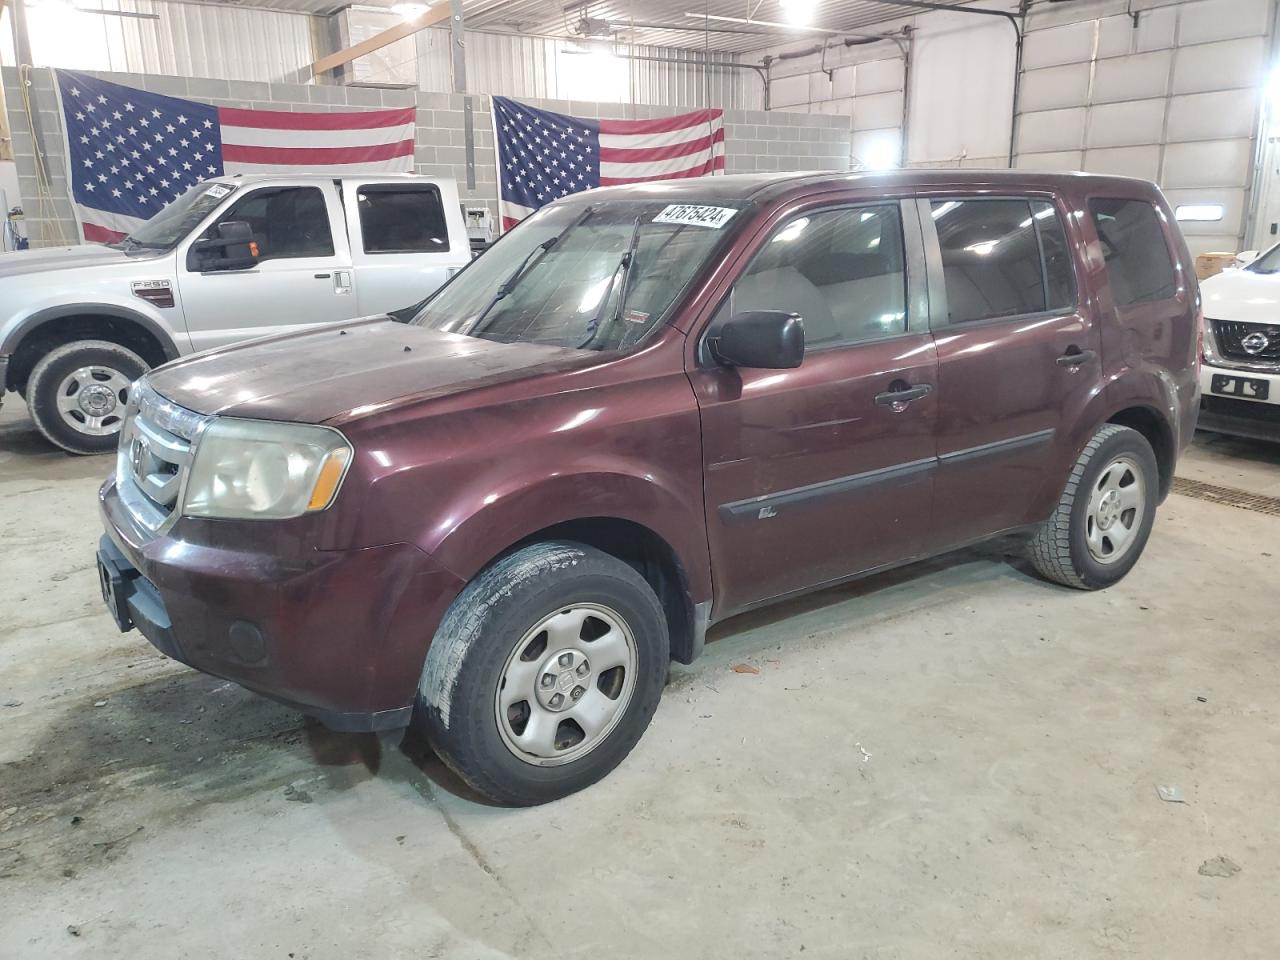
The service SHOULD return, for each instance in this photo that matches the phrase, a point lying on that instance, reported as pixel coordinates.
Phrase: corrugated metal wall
(189, 40)
(539, 67)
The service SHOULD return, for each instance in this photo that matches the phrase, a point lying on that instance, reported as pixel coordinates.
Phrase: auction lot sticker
(695, 215)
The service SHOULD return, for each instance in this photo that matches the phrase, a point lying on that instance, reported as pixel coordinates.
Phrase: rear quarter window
(1139, 265)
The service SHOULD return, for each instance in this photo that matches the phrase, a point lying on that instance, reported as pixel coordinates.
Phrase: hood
(1242, 296)
(22, 262)
(349, 369)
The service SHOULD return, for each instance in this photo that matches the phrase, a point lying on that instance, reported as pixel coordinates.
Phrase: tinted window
(990, 258)
(402, 220)
(1138, 262)
(1059, 272)
(287, 222)
(841, 271)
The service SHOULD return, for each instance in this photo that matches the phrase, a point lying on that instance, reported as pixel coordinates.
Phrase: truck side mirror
(233, 248)
(763, 339)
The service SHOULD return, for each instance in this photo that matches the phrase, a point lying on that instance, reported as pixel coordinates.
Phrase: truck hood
(22, 262)
(1243, 296)
(347, 370)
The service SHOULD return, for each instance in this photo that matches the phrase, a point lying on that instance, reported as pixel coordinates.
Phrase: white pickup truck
(233, 258)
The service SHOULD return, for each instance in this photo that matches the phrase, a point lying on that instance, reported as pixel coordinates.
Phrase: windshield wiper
(624, 265)
(523, 270)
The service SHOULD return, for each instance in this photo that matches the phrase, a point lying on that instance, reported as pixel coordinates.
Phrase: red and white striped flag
(131, 152)
(544, 155)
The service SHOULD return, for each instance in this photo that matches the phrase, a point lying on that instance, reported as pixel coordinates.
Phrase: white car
(233, 258)
(1240, 377)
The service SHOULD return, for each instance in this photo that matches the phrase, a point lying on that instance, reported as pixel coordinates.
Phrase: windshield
(166, 228)
(1269, 262)
(598, 276)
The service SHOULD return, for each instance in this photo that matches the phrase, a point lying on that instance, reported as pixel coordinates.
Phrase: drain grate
(1227, 496)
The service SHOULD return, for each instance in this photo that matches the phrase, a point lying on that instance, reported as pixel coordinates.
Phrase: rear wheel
(1105, 514)
(544, 673)
(77, 394)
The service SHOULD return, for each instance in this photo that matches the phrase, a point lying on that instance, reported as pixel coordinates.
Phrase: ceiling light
(410, 11)
(799, 12)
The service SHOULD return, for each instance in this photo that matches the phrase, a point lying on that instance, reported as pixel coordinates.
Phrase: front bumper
(1255, 419)
(338, 635)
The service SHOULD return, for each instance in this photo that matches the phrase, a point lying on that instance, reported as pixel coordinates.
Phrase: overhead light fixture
(798, 12)
(409, 12)
(593, 27)
(752, 22)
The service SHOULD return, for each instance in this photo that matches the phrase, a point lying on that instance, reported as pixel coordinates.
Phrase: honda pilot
(644, 410)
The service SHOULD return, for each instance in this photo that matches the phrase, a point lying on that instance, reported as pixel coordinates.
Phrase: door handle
(342, 282)
(1075, 358)
(900, 394)
(323, 276)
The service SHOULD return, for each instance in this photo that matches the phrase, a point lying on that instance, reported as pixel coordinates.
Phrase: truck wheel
(544, 673)
(77, 394)
(1103, 519)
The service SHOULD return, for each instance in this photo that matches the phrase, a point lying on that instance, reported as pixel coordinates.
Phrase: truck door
(407, 238)
(303, 276)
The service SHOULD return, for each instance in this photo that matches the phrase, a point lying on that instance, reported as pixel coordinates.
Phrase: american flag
(543, 155)
(131, 152)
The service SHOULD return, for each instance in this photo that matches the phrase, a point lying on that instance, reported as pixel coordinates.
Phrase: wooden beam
(380, 40)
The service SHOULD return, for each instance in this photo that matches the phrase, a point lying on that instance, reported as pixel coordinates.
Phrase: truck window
(841, 270)
(287, 222)
(1139, 265)
(991, 258)
(396, 219)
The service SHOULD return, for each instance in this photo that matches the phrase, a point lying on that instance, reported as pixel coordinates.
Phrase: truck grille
(156, 445)
(1251, 342)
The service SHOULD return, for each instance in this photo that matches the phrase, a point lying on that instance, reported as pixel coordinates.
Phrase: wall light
(1199, 212)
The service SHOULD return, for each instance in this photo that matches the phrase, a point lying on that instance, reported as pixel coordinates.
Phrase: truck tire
(78, 391)
(1102, 521)
(545, 672)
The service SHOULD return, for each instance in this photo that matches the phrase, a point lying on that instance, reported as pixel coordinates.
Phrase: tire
(54, 394)
(1102, 521)
(484, 703)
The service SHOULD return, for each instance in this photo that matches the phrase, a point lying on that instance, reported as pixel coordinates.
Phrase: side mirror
(232, 248)
(1245, 258)
(763, 339)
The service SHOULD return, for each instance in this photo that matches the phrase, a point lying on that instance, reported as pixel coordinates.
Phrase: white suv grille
(156, 446)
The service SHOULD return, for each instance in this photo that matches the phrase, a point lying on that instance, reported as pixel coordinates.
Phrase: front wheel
(544, 673)
(77, 394)
(1105, 514)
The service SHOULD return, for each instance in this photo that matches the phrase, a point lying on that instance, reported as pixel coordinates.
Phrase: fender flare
(491, 529)
(28, 325)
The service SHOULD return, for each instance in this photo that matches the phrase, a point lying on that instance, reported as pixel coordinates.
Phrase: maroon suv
(645, 410)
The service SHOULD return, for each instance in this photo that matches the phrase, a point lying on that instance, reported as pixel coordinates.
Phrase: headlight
(257, 470)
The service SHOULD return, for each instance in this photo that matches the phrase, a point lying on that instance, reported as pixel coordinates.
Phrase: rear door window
(1139, 265)
(396, 219)
(1002, 258)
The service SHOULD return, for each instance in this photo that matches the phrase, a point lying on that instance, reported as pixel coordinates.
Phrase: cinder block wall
(754, 139)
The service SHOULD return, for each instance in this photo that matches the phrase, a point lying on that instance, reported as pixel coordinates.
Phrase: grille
(1227, 496)
(155, 453)
(1256, 342)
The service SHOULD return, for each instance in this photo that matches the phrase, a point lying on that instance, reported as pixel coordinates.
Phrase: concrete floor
(952, 760)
